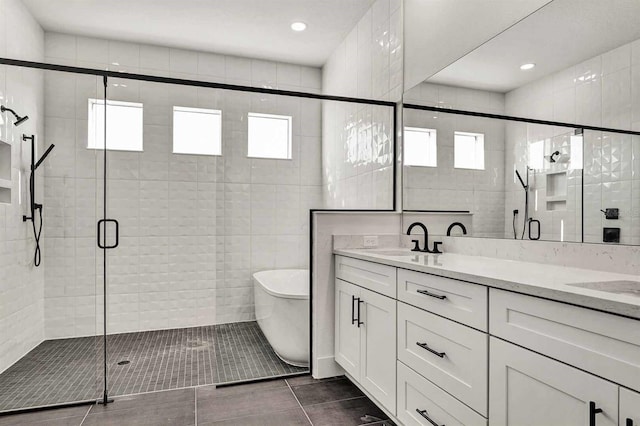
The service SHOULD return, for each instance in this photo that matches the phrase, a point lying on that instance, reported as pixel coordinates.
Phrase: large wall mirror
(570, 170)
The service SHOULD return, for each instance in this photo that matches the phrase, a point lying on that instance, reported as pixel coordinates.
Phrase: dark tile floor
(69, 370)
(281, 402)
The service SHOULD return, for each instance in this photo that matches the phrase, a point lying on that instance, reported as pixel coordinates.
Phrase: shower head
(552, 158)
(19, 120)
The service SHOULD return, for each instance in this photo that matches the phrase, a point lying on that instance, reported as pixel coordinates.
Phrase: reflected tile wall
(357, 145)
(193, 228)
(21, 284)
(480, 192)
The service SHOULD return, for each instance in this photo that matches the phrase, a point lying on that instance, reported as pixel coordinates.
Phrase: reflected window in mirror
(468, 151)
(536, 155)
(420, 147)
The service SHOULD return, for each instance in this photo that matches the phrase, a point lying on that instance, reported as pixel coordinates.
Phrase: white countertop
(536, 279)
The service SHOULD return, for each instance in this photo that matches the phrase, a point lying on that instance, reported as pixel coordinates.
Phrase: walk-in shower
(173, 304)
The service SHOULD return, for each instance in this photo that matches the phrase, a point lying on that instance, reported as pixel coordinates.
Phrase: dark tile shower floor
(68, 370)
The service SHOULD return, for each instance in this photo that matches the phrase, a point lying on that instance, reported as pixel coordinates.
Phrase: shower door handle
(102, 223)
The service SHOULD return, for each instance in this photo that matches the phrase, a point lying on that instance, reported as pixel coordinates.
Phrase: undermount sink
(630, 288)
(397, 252)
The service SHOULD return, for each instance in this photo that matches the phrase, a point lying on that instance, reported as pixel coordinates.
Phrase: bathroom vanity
(454, 339)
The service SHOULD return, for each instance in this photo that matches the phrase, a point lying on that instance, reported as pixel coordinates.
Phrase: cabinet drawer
(374, 276)
(603, 344)
(457, 300)
(417, 395)
(629, 408)
(458, 363)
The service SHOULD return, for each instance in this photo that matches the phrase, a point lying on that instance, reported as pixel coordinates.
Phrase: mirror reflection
(570, 174)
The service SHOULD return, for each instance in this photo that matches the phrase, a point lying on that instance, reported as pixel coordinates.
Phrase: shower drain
(124, 362)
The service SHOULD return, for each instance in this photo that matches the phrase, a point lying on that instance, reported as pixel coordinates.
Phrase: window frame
(92, 118)
(209, 111)
(287, 118)
(479, 138)
(432, 136)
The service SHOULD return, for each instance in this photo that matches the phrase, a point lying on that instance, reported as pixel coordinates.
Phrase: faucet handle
(416, 246)
(436, 245)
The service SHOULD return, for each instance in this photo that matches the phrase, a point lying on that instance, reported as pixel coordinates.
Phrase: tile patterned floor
(70, 369)
(280, 402)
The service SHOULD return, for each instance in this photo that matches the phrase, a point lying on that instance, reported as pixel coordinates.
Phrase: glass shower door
(49, 320)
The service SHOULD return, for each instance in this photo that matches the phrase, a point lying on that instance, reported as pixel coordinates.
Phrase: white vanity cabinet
(365, 339)
(442, 351)
(629, 408)
(530, 389)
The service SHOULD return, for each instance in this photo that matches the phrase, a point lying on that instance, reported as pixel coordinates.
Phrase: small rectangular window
(468, 151)
(269, 136)
(124, 125)
(420, 147)
(197, 131)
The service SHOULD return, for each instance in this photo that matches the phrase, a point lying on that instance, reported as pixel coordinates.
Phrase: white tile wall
(193, 228)
(357, 141)
(21, 284)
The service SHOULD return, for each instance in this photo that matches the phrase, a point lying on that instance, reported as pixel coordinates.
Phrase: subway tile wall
(21, 283)
(193, 228)
(480, 192)
(601, 91)
(357, 145)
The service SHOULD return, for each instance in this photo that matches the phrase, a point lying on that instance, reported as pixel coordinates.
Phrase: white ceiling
(561, 34)
(439, 32)
(252, 28)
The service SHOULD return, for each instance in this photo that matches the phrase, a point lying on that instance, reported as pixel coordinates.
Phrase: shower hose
(36, 235)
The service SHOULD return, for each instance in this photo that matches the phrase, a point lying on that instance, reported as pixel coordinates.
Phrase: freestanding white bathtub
(282, 312)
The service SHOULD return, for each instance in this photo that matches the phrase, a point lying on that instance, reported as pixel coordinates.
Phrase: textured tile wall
(480, 192)
(357, 146)
(21, 284)
(193, 228)
(601, 91)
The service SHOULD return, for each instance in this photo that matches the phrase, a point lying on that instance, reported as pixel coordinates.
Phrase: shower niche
(556, 190)
(5, 172)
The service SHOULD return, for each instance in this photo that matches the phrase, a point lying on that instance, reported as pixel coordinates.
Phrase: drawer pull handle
(359, 302)
(593, 410)
(353, 318)
(428, 293)
(425, 346)
(424, 414)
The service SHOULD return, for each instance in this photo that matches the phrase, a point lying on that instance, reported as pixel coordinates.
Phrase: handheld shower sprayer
(32, 195)
(19, 120)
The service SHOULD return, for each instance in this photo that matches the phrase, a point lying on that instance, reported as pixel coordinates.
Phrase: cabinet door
(347, 333)
(629, 408)
(529, 389)
(378, 346)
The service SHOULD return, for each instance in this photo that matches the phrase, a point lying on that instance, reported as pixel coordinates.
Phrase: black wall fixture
(37, 230)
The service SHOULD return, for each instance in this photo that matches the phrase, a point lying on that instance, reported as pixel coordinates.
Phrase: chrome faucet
(453, 225)
(416, 247)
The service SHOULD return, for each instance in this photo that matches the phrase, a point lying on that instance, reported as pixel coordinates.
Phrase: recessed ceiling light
(526, 67)
(298, 26)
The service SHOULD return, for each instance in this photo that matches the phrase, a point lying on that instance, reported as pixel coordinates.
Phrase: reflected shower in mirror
(575, 86)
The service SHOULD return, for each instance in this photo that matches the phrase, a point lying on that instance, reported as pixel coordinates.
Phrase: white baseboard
(326, 367)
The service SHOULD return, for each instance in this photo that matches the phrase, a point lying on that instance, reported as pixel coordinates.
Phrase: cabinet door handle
(629, 422)
(425, 346)
(353, 311)
(593, 410)
(424, 414)
(359, 302)
(428, 293)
